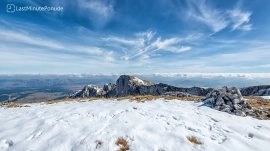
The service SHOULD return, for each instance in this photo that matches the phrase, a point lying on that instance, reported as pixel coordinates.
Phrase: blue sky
(136, 36)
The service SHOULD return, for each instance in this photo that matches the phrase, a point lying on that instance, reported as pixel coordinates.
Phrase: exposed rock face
(131, 85)
(262, 90)
(108, 89)
(229, 100)
(88, 91)
(198, 91)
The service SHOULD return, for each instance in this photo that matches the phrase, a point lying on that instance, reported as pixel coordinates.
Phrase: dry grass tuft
(194, 140)
(143, 98)
(70, 100)
(13, 105)
(62, 100)
(138, 98)
(51, 102)
(188, 98)
(258, 102)
(122, 143)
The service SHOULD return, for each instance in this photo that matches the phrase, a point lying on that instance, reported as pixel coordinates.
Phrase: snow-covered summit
(152, 125)
(137, 81)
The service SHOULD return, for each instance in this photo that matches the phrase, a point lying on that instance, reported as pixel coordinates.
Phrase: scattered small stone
(5, 144)
(250, 135)
(98, 144)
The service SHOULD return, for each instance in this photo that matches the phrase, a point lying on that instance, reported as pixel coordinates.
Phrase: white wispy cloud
(25, 59)
(171, 45)
(37, 53)
(147, 35)
(109, 57)
(254, 58)
(163, 44)
(87, 49)
(179, 49)
(255, 53)
(123, 41)
(217, 19)
(240, 19)
(99, 12)
(24, 37)
(205, 13)
(146, 44)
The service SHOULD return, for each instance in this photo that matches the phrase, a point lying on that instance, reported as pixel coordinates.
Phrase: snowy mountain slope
(154, 125)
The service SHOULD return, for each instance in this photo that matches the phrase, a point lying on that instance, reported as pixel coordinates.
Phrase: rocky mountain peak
(125, 80)
(91, 90)
(131, 85)
(127, 85)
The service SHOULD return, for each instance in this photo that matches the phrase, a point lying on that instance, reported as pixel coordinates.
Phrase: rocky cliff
(262, 90)
(131, 85)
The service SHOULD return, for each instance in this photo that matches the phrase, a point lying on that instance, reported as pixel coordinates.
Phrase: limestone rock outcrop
(88, 91)
(228, 100)
(261, 90)
(131, 85)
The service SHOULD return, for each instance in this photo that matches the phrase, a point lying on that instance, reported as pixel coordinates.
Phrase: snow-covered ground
(155, 125)
(266, 97)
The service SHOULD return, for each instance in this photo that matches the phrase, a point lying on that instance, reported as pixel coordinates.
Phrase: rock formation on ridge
(262, 90)
(131, 85)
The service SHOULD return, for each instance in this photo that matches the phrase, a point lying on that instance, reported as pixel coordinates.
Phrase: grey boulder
(228, 100)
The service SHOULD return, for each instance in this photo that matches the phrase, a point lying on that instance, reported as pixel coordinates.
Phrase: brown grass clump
(65, 100)
(13, 105)
(51, 102)
(62, 100)
(143, 98)
(188, 98)
(194, 140)
(138, 98)
(258, 102)
(122, 143)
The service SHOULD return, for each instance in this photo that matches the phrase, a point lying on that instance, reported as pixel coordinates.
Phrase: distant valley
(38, 88)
